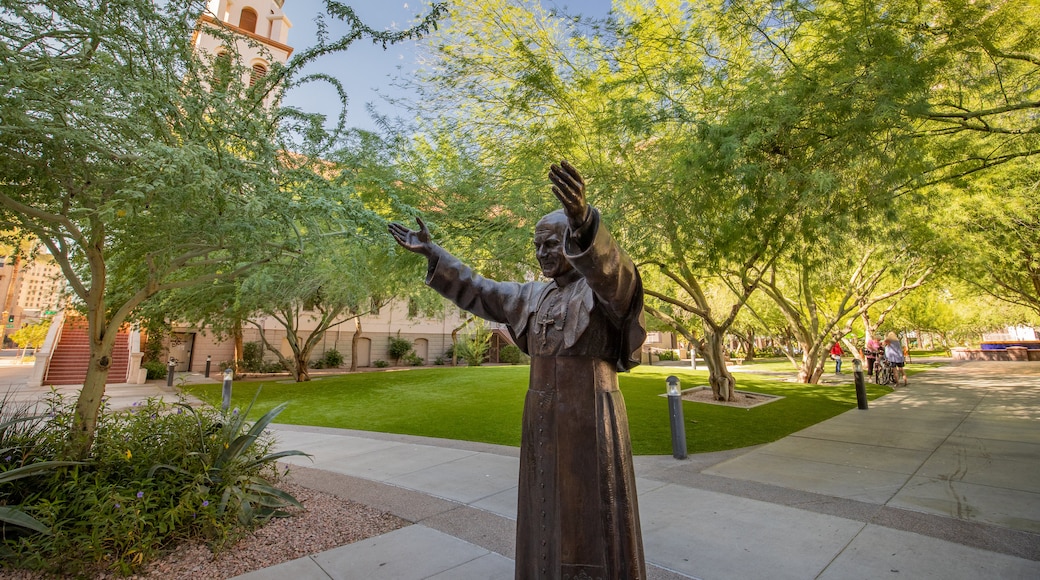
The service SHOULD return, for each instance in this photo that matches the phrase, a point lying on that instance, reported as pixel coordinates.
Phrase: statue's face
(548, 243)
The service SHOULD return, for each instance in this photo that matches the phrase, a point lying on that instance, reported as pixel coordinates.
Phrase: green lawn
(485, 403)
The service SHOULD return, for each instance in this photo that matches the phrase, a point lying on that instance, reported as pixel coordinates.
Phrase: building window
(248, 20)
(259, 72)
(222, 70)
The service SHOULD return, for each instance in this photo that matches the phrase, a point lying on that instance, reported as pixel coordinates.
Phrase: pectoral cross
(546, 321)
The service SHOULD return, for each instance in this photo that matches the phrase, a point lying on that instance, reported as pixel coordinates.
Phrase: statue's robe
(577, 515)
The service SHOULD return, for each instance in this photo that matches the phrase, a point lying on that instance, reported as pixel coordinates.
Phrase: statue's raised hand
(411, 240)
(569, 188)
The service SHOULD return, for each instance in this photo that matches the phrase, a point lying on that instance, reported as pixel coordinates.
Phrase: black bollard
(169, 371)
(861, 389)
(675, 414)
(209, 359)
(225, 393)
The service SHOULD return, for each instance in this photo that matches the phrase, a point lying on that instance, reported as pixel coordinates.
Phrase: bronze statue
(577, 515)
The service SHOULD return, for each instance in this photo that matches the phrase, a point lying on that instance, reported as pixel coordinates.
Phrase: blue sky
(366, 70)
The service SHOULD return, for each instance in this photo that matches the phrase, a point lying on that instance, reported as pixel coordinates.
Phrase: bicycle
(883, 373)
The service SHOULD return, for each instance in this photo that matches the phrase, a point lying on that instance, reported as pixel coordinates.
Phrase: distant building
(30, 290)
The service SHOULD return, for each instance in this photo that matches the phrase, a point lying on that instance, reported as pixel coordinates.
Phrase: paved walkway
(940, 480)
(13, 379)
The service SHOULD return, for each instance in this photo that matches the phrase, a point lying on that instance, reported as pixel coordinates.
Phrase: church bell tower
(261, 29)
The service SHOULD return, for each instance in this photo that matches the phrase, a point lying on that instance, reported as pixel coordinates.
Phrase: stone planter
(1018, 353)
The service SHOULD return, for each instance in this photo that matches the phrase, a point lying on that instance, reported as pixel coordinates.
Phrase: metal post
(169, 371)
(861, 389)
(693, 357)
(225, 393)
(675, 413)
(209, 359)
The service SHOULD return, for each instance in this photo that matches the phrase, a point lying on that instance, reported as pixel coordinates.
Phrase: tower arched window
(222, 70)
(259, 72)
(248, 20)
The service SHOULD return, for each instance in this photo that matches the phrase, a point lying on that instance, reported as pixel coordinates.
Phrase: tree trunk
(354, 340)
(236, 333)
(88, 405)
(812, 366)
(300, 363)
(749, 344)
(721, 380)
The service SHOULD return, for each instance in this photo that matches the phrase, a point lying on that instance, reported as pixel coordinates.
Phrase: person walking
(894, 354)
(836, 353)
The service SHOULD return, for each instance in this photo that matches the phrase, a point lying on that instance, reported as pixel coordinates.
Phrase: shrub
(253, 357)
(666, 355)
(272, 367)
(380, 364)
(511, 354)
(768, 352)
(439, 361)
(157, 475)
(472, 351)
(156, 369)
(412, 359)
(332, 359)
(20, 435)
(398, 347)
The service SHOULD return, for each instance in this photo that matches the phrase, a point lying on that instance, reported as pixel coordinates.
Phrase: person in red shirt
(836, 353)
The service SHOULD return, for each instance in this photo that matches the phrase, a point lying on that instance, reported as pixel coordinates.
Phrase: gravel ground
(327, 522)
(740, 398)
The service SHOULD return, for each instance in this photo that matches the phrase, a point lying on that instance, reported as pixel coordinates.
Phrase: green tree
(316, 293)
(822, 301)
(712, 136)
(981, 109)
(32, 335)
(995, 222)
(117, 175)
(136, 176)
(343, 272)
(957, 312)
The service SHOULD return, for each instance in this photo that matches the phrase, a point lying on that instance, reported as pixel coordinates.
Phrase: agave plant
(235, 469)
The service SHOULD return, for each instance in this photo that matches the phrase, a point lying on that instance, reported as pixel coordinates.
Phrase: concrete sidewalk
(13, 379)
(939, 480)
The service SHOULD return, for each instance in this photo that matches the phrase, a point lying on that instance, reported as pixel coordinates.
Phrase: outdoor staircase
(68, 364)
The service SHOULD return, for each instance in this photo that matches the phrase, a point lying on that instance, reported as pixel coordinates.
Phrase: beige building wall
(430, 337)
